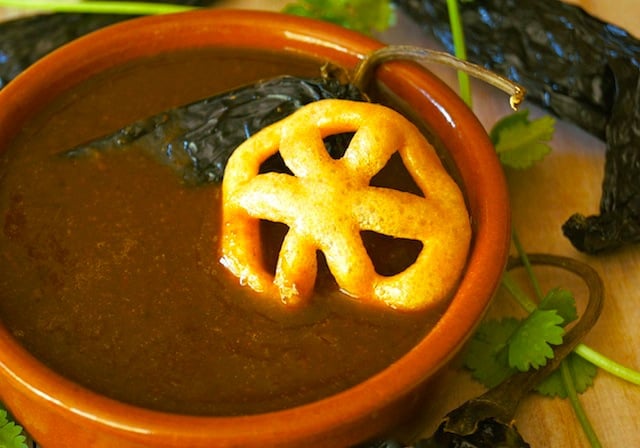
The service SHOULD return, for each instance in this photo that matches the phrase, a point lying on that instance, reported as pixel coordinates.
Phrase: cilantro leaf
(563, 302)
(582, 372)
(520, 142)
(529, 345)
(500, 348)
(365, 16)
(11, 435)
(487, 351)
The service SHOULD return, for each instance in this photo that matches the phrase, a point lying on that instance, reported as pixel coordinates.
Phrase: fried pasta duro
(306, 201)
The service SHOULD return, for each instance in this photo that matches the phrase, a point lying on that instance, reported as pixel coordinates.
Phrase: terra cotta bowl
(59, 413)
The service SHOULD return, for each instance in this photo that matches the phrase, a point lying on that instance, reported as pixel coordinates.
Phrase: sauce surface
(109, 266)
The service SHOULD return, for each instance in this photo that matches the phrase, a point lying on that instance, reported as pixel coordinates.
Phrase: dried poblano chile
(197, 139)
(578, 67)
(25, 40)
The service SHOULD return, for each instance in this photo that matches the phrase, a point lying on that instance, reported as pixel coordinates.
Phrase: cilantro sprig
(504, 346)
(11, 434)
(521, 142)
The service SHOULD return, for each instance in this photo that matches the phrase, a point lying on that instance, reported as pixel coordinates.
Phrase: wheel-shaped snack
(328, 202)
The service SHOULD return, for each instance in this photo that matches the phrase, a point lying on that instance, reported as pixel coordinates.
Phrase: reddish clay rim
(470, 149)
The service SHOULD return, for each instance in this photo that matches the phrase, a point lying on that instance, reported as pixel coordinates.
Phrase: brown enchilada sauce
(109, 266)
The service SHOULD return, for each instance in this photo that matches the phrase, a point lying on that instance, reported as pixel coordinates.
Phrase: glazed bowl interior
(48, 403)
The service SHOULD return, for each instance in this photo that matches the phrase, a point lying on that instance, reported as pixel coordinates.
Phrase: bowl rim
(489, 201)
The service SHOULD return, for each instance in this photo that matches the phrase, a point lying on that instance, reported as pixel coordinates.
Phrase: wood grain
(542, 198)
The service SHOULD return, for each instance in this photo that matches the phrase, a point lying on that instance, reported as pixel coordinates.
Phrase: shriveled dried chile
(197, 139)
(619, 219)
(580, 68)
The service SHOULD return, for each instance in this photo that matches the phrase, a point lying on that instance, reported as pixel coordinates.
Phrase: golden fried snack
(328, 202)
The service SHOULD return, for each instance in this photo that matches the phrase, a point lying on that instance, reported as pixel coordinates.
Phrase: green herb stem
(527, 265)
(607, 364)
(460, 49)
(581, 415)
(511, 285)
(95, 7)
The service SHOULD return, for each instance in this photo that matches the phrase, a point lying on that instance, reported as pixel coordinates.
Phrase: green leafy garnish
(366, 16)
(487, 353)
(11, 434)
(562, 301)
(530, 344)
(582, 372)
(499, 348)
(521, 142)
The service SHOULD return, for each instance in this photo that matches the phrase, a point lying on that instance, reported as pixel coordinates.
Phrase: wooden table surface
(543, 197)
